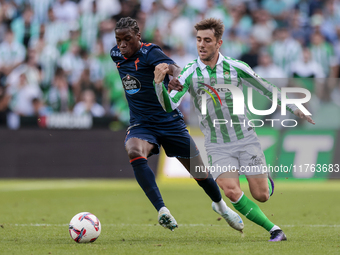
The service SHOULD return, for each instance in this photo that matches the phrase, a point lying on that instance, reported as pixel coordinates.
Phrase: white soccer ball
(84, 227)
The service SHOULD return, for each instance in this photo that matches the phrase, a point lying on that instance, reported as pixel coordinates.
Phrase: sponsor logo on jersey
(131, 84)
(201, 91)
(210, 94)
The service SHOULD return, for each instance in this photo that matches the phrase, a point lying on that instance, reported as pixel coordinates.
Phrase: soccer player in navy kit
(151, 127)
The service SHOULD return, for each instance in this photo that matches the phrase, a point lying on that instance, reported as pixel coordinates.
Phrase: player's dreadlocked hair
(128, 23)
(216, 25)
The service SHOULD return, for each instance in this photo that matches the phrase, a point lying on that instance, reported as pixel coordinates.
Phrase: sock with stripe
(147, 181)
(253, 212)
(210, 187)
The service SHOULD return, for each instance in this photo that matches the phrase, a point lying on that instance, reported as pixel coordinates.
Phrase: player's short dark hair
(216, 25)
(128, 22)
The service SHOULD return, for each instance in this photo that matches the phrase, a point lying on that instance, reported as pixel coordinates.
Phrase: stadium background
(62, 106)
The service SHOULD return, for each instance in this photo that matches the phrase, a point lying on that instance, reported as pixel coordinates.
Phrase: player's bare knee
(230, 188)
(134, 152)
(262, 196)
(232, 192)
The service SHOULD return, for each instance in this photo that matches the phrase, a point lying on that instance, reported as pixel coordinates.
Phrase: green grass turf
(307, 211)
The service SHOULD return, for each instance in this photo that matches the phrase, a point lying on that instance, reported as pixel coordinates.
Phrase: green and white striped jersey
(89, 28)
(194, 78)
(324, 55)
(285, 53)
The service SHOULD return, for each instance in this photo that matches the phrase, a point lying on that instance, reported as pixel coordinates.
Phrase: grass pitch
(34, 217)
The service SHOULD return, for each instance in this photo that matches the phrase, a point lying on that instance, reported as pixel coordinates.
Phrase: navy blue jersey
(137, 74)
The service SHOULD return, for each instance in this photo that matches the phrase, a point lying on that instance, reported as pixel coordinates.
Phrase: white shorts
(244, 156)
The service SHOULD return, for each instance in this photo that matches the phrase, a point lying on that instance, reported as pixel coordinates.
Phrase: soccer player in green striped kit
(234, 145)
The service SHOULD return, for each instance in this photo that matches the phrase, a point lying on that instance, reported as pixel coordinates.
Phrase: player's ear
(219, 43)
(139, 36)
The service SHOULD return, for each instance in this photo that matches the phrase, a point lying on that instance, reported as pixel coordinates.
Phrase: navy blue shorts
(173, 136)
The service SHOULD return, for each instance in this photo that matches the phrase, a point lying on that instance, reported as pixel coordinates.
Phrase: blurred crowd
(54, 54)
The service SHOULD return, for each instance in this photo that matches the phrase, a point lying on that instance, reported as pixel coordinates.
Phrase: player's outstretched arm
(261, 85)
(301, 115)
(168, 102)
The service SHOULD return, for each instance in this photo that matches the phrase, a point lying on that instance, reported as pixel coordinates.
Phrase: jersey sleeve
(157, 56)
(264, 87)
(171, 101)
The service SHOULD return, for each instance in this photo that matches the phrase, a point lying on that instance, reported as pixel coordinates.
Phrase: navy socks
(146, 180)
(210, 187)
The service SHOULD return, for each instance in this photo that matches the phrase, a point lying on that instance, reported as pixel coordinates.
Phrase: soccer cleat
(271, 184)
(234, 220)
(277, 235)
(166, 220)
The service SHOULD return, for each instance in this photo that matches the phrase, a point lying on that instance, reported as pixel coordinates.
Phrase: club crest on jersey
(226, 75)
(131, 84)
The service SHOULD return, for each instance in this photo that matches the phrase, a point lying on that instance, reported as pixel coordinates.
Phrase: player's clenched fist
(160, 72)
(175, 84)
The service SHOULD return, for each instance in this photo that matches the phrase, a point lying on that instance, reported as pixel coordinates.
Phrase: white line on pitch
(151, 225)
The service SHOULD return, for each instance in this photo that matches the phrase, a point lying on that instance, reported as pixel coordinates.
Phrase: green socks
(251, 210)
